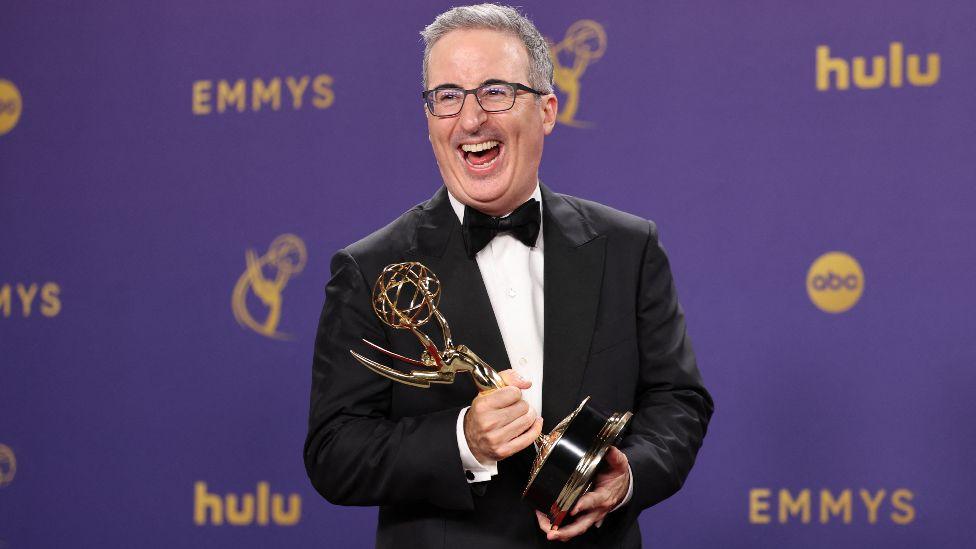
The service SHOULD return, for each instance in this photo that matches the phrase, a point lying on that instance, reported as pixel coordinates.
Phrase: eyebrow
(483, 83)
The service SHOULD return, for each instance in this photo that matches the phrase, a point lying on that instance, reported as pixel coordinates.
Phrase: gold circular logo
(835, 282)
(10, 106)
(8, 465)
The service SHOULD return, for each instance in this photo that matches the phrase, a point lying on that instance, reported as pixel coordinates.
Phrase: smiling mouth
(481, 155)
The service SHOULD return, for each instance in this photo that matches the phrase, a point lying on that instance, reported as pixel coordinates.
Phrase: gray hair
(499, 18)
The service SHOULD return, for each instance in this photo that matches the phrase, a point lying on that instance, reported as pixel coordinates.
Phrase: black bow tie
(478, 228)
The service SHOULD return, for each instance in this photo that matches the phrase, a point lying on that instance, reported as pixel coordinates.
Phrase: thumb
(512, 377)
(616, 459)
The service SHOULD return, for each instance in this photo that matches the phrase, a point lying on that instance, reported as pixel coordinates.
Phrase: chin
(485, 191)
(487, 196)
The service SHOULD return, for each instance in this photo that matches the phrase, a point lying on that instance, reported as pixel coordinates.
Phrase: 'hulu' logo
(245, 509)
(892, 69)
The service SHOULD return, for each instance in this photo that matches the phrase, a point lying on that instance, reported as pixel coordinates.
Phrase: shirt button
(469, 474)
(523, 361)
(511, 292)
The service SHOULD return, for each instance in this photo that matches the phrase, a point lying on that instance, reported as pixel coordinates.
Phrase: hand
(609, 488)
(500, 423)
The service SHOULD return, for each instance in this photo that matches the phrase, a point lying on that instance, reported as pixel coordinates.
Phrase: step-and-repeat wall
(175, 176)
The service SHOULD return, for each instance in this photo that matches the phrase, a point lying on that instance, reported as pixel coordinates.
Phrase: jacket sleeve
(355, 453)
(672, 406)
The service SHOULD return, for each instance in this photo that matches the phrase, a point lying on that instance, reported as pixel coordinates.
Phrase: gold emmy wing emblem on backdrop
(266, 277)
(405, 297)
(11, 105)
(585, 42)
(8, 465)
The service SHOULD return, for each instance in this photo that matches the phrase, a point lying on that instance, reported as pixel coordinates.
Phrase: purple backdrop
(127, 211)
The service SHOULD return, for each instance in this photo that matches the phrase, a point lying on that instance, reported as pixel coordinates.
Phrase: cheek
(439, 141)
(531, 142)
(440, 134)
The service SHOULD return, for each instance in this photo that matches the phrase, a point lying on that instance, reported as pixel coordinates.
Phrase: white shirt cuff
(474, 470)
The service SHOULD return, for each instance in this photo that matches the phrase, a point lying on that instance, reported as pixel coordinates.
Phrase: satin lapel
(464, 299)
(574, 260)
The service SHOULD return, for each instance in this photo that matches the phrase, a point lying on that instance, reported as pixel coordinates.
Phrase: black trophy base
(569, 457)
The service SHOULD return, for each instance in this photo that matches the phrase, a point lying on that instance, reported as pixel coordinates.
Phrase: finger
(614, 466)
(591, 500)
(616, 459)
(499, 398)
(495, 427)
(577, 527)
(523, 440)
(515, 411)
(543, 521)
(512, 377)
(518, 425)
(498, 419)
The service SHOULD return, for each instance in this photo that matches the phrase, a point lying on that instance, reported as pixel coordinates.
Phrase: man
(584, 306)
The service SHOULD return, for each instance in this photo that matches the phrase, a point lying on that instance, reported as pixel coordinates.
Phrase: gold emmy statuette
(405, 297)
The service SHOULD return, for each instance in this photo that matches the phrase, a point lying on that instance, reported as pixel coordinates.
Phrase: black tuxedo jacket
(613, 330)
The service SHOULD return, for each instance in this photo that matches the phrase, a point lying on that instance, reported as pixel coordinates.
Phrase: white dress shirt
(513, 276)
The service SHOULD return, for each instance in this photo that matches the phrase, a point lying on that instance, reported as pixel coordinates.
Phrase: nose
(472, 115)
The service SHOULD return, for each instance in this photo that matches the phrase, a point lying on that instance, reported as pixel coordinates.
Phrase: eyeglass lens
(492, 98)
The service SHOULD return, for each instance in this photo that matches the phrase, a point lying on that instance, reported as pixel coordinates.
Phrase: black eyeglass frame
(516, 87)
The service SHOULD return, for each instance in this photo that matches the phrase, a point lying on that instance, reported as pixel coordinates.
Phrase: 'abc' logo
(8, 465)
(10, 106)
(835, 282)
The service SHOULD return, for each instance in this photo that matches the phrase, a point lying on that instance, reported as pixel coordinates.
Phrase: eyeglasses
(497, 97)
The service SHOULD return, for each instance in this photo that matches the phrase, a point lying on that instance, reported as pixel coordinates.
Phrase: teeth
(478, 147)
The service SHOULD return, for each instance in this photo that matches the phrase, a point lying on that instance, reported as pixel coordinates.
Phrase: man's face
(499, 179)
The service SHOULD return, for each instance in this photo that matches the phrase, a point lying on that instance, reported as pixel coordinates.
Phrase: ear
(427, 117)
(550, 108)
